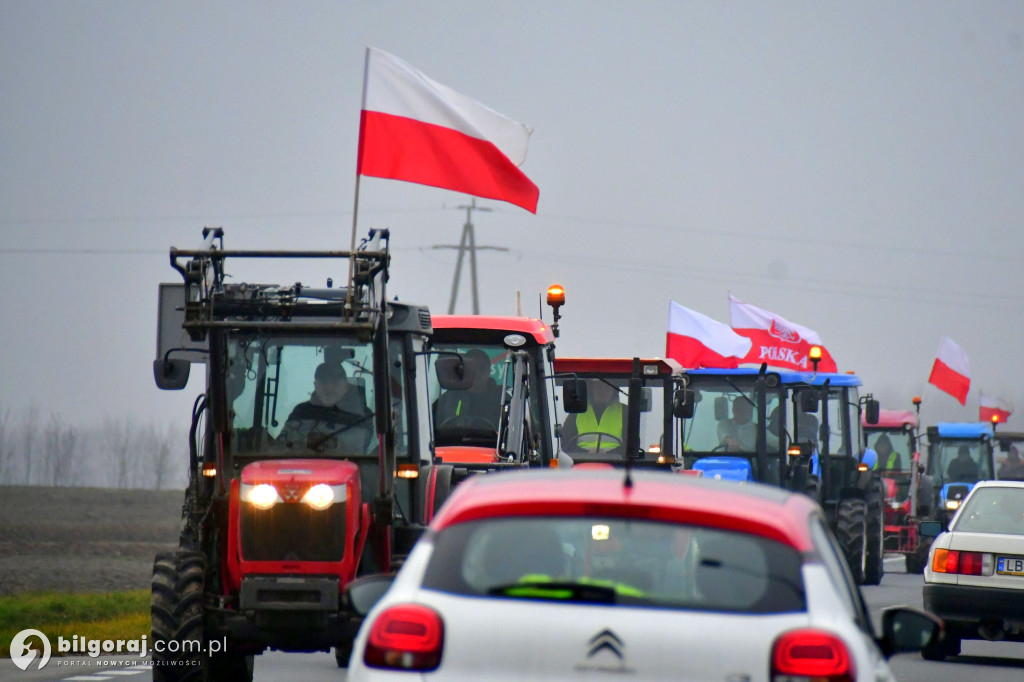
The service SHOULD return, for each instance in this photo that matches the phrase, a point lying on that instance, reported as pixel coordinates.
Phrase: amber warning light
(556, 299)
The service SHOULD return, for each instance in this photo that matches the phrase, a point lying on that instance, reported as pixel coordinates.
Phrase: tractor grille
(293, 532)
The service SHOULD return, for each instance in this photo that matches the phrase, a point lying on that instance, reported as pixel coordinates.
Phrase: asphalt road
(979, 662)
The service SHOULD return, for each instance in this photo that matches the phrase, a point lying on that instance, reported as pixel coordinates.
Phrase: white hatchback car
(547, 575)
(974, 578)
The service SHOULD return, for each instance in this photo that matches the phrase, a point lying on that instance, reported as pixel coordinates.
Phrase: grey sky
(855, 167)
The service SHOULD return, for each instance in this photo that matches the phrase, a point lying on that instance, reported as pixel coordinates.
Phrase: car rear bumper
(965, 605)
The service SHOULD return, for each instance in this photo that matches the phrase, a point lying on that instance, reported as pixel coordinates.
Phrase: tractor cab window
(725, 419)
(893, 448)
(302, 396)
(960, 461)
(469, 415)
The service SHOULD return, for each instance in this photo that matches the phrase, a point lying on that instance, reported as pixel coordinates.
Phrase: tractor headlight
(952, 504)
(262, 496)
(319, 497)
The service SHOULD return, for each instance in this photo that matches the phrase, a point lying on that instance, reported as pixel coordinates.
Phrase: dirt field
(83, 539)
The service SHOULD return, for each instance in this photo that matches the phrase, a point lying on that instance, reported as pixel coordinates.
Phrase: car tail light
(962, 563)
(405, 637)
(811, 654)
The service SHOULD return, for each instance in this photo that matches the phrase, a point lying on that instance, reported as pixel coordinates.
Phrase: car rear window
(993, 510)
(616, 561)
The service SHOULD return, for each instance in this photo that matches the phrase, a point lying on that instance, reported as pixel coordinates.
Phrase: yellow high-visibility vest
(610, 423)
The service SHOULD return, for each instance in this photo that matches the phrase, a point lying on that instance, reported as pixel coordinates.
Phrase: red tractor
(303, 456)
(895, 440)
(493, 402)
(655, 386)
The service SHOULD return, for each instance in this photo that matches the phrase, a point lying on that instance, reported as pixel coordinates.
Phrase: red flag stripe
(950, 381)
(400, 148)
(689, 352)
(783, 354)
(985, 414)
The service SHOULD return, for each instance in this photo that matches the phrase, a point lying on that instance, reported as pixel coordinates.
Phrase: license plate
(1010, 566)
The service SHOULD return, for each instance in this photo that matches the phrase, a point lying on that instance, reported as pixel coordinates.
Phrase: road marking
(87, 677)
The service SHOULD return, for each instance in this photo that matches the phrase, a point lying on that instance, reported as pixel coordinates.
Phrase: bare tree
(6, 447)
(117, 437)
(161, 444)
(59, 445)
(29, 442)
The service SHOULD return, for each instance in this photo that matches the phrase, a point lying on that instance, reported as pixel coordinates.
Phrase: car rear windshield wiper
(557, 591)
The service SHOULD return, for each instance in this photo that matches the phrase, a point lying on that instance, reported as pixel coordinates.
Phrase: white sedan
(974, 578)
(552, 575)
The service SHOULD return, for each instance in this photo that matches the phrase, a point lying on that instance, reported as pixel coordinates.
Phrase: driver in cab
(476, 406)
(739, 433)
(335, 416)
(600, 428)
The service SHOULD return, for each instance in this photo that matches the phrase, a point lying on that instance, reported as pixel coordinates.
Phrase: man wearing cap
(334, 418)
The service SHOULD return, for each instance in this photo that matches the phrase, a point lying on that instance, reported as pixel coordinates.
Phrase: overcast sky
(856, 167)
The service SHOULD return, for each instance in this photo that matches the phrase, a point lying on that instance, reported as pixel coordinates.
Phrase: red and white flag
(695, 340)
(994, 410)
(776, 340)
(415, 129)
(951, 371)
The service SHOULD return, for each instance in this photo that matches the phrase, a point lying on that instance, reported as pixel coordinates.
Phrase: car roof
(998, 484)
(750, 508)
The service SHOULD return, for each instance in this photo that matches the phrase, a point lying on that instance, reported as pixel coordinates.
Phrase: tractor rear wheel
(874, 561)
(851, 531)
(176, 610)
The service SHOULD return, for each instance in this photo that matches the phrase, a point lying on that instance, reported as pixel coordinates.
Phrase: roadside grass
(94, 616)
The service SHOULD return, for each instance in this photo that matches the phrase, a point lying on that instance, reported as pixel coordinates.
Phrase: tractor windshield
(726, 417)
(960, 461)
(302, 396)
(471, 415)
(599, 433)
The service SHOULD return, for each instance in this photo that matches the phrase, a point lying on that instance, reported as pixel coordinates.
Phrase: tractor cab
(959, 455)
(598, 433)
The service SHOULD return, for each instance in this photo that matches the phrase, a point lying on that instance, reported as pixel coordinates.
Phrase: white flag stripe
(995, 402)
(747, 316)
(954, 357)
(394, 87)
(716, 335)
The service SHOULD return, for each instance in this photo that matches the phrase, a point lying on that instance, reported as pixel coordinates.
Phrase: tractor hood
(300, 473)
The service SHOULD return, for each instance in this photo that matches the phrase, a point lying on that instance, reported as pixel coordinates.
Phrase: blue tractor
(796, 430)
(959, 455)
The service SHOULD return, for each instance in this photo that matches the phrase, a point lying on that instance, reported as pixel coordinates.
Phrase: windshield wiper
(557, 591)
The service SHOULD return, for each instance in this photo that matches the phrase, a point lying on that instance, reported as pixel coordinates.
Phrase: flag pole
(355, 202)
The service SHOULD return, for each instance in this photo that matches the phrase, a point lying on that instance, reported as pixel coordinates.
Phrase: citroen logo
(606, 639)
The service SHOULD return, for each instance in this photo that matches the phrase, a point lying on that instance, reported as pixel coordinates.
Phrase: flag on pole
(951, 371)
(415, 129)
(994, 410)
(695, 340)
(775, 340)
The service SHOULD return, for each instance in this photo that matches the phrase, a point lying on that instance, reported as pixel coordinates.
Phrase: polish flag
(415, 129)
(951, 371)
(695, 340)
(994, 410)
(776, 340)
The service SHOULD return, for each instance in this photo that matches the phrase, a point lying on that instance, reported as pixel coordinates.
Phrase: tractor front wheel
(874, 561)
(851, 531)
(176, 610)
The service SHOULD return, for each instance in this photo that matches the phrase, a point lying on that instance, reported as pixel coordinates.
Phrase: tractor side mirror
(809, 401)
(933, 434)
(871, 411)
(453, 373)
(684, 402)
(574, 396)
(721, 408)
(171, 375)
(931, 529)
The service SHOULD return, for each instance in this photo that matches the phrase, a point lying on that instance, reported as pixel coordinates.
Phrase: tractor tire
(176, 610)
(851, 531)
(918, 559)
(874, 561)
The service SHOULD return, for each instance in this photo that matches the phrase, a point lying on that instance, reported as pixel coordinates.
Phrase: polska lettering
(788, 355)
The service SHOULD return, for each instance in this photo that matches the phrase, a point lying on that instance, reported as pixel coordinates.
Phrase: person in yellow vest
(601, 428)
(888, 457)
